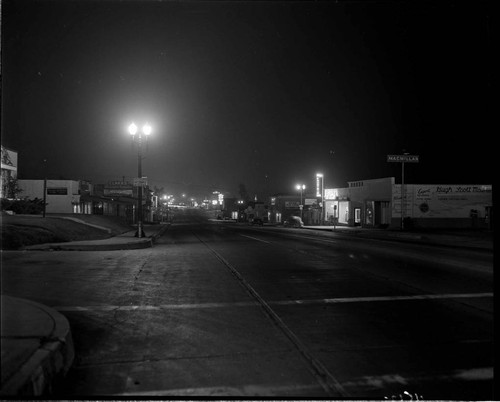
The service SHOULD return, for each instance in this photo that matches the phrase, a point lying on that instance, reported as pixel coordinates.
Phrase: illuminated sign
(319, 185)
(331, 193)
(140, 181)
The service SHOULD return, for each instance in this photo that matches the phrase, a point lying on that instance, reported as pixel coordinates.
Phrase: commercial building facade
(363, 203)
(62, 196)
(81, 197)
(444, 205)
(378, 203)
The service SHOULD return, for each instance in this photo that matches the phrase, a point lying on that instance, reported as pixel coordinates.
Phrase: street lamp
(320, 192)
(301, 187)
(133, 130)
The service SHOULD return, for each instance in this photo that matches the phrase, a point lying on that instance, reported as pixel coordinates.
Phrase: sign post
(402, 159)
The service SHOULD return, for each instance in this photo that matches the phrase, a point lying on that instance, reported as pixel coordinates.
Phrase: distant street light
(301, 187)
(133, 130)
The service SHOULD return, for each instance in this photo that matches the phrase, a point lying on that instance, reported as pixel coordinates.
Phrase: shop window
(369, 217)
(57, 191)
(357, 215)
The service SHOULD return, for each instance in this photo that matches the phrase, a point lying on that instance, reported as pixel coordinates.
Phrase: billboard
(9, 159)
(440, 200)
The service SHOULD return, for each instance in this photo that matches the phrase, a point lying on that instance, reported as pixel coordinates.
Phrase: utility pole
(406, 157)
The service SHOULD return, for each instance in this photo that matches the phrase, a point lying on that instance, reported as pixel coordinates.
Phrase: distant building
(376, 203)
(63, 196)
(9, 170)
(256, 209)
(115, 198)
(283, 206)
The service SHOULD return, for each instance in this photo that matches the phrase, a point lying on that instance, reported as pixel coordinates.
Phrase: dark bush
(24, 206)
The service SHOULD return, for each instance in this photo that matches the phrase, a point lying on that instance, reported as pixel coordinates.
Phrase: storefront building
(377, 203)
(363, 203)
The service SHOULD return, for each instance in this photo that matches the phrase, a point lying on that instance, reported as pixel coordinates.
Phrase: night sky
(261, 93)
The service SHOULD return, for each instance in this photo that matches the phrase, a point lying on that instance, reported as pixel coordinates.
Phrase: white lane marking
(185, 306)
(381, 381)
(384, 298)
(475, 374)
(261, 390)
(254, 238)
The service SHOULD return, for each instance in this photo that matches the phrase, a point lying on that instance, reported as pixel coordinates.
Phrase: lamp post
(44, 187)
(146, 130)
(301, 187)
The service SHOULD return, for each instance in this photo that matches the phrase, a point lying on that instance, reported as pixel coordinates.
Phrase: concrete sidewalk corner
(36, 349)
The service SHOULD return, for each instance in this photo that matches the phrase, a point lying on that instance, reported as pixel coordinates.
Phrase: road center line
(186, 306)
(254, 238)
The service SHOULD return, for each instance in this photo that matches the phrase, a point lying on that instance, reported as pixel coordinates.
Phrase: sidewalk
(36, 342)
(125, 241)
(37, 347)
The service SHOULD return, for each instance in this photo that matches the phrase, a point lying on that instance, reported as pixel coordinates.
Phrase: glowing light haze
(261, 93)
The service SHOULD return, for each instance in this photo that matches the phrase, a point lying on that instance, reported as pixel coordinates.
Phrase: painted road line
(254, 238)
(340, 300)
(244, 390)
(370, 382)
(382, 381)
(385, 298)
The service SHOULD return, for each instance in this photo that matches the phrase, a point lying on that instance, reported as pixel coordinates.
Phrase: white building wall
(441, 200)
(62, 195)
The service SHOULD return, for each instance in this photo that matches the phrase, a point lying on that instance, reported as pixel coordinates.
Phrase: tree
(11, 187)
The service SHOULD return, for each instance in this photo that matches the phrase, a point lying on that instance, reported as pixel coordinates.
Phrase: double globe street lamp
(137, 136)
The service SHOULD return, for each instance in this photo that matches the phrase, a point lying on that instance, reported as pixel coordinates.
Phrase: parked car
(293, 222)
(257, 221)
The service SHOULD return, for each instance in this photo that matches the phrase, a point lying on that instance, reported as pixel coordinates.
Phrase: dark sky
(261, 93)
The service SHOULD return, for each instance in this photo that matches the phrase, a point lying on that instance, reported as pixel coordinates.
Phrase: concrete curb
(414, 238)
(76, 246)
(108, 230)
(119, 242)
(91, 245)
(49, 363)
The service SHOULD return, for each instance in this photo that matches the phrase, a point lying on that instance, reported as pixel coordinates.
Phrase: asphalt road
(218, 309)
